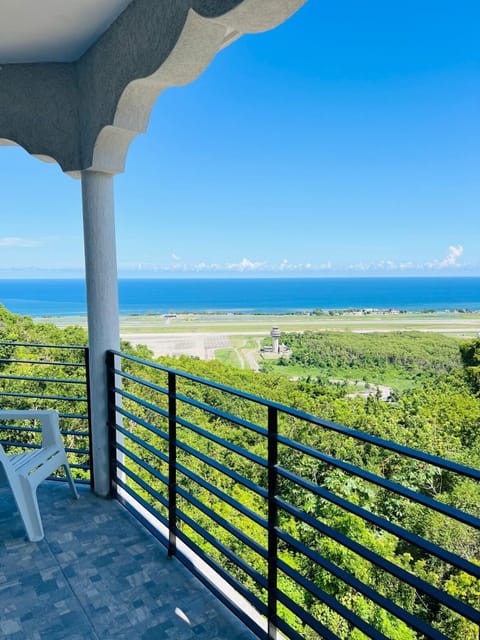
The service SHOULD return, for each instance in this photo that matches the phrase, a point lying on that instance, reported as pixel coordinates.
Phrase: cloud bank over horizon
(450, 264)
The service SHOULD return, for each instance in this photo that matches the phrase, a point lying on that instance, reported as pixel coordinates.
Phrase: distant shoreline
(244, 296)
(312, 313)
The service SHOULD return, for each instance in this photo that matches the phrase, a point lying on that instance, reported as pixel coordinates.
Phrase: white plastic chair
(25, 471)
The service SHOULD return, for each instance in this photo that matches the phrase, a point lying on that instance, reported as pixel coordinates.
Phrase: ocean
(246, 295)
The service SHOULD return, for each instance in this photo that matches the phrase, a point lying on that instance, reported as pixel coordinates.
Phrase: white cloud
(175, 257)
(244, 265)
(451, 259)
(19, 242)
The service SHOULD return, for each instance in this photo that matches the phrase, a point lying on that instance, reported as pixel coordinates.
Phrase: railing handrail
(42, 345)
(274, 504)
(437, 461)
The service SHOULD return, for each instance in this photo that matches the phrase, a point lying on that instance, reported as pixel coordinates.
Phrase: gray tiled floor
(98, 574)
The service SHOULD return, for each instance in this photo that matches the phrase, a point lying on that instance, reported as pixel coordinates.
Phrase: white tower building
(275, 333)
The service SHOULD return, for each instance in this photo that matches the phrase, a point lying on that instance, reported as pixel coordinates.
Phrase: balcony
(98, 574)
(223, 503)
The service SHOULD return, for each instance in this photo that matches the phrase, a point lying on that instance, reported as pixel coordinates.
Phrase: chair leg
(71, 483)
(27, 504)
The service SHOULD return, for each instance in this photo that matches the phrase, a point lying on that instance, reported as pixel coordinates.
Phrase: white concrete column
(102, 305)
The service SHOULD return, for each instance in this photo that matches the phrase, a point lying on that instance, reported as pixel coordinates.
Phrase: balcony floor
(98, 574)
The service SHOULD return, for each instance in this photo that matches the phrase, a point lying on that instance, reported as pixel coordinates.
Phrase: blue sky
(346, 141)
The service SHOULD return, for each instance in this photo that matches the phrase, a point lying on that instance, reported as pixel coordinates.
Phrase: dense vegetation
(439, 414)
(399, 359)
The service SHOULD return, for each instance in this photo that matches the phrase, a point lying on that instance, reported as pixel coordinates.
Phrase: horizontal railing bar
(415, 496)
(222, 414)
(223, 443)
(80, 452)
(146, 505)
(286, 629)
(142, 463)
(31, 445)
(333, 604)
(35, 379)
(223, 469)
(14, 427)
(140, 402)
(64, 432)
(65, 479)
(182, 398)
(72, 347)
(141, 483)
(386, 565)
(206, 459)
(223, 573)
(141, 422)
(412, 621)
(386, 525)
(44, 362)
(235, 531)
(37, 397)
(251, 515)
(142, 443)
(140, 381)
(223, 549)
(73, 416)
(325, 633)
(358, 435)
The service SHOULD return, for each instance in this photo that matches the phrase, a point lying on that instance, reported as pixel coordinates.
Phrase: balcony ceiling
(53, 30)
(79, 77)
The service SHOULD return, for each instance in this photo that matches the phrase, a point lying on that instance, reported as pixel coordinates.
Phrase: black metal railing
(35, 376)
(313, 538)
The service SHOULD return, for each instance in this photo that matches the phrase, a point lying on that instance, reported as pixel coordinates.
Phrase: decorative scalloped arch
(84, 115)
(5, 142)
(200, 39)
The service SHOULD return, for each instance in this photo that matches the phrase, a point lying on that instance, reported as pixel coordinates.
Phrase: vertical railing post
(272, 522)
(172, 463)
(111, 413)
(86, 353)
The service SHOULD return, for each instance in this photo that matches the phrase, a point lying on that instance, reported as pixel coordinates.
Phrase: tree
(470, 352)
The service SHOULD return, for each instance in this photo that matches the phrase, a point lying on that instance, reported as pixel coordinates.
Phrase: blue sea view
(246, 295)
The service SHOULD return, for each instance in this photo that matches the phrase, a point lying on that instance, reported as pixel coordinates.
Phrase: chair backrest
(49, 423)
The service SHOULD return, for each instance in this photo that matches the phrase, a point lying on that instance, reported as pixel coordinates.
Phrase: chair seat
(31, 461)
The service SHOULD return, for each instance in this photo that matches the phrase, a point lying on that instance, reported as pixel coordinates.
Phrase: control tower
(275, 333)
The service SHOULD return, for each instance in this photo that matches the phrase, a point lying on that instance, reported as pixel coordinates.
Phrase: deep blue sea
(242, 295)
